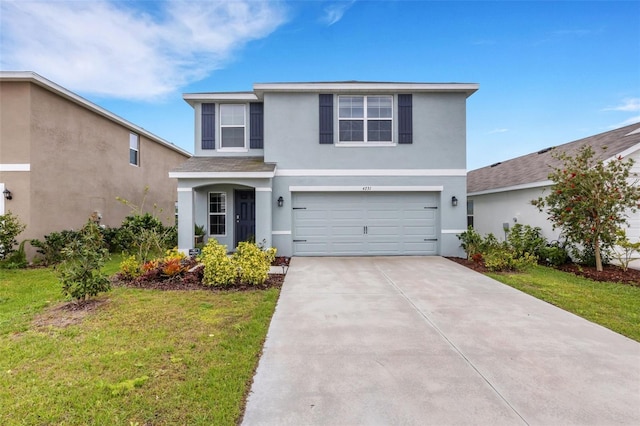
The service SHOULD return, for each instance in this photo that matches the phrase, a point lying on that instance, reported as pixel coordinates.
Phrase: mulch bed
(193, 281)
(611, 273)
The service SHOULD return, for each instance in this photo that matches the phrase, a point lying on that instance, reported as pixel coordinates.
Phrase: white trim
(185, 189)
(9, 167)
(34, 78)
(209, 214)
(1, 198)
(280, 232)
(263, 189)
(371, 172)
(366, 188)
(364, 144)
(452, 231)
(359, 87)
(220, 175)
(220, 96)
(512, 188)
(625, 153)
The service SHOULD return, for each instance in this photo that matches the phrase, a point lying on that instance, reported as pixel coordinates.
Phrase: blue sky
(549, 72)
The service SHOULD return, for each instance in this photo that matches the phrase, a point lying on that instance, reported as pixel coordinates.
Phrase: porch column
(263, 216)
(185, 219)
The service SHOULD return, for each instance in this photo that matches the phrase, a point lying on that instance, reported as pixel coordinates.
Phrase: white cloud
(627, 105)
(118, 50)
(335, 11)
(494, 131)
(628, 121)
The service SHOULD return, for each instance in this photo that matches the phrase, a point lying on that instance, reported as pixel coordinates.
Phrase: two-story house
(64, 159)
(333, 168)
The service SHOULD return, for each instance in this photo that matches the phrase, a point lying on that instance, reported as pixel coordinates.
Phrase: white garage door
(370, 223)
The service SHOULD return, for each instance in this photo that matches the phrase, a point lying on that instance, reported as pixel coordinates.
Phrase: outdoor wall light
(280, 201)
(7, 194)
(454, 201)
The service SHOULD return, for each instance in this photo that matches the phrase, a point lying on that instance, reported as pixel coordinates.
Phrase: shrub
(471, 242)
(130, 268)
(502, 260)
(51, 247)
(16, 260)
(80, 272)
(526, 239)
(554, 254)
(624, 252)
(253, 263)
(586, 255)
(219, 271)
(10, 228)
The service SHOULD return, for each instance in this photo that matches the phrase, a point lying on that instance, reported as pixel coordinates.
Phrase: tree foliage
(589, 199)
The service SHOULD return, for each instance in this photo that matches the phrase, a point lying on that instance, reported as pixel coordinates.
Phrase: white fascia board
(371, 172)
(32, 77)
(468, 88)
(219, 175)
(540, 184)
(453, 231)
(362, 188)
(624, 153)
(194, 98)
(11, 167)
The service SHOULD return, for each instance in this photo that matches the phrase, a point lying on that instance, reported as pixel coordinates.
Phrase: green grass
(612, 305)
(144, 356)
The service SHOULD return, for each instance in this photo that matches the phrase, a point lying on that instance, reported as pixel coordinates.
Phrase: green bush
(146, 236)
(16, 260)
(625, 249)
(219, 270)
(51, 247)
(471, 242)
(253, 263)
(80, 272)
(10, 228)
(504, 259)
(554, 254)
(526, 239)
(130, 268)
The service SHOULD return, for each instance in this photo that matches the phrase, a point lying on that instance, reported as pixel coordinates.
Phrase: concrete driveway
(415, 341)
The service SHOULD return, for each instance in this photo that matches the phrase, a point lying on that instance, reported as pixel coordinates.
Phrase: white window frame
(226, 224)
(134, 137)
(365, 119)
(244, 126)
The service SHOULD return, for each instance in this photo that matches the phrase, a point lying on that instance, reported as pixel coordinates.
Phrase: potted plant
(199, 234)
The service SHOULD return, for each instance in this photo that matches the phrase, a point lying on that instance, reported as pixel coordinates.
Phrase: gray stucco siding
(292, 136)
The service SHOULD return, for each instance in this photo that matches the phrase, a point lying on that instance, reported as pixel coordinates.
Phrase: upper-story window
(232, 126)
(134, 149)
(365, 118)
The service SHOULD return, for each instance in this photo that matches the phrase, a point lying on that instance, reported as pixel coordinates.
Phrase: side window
(470, 213)
(134, 149)
(232, 126)
(217, 213)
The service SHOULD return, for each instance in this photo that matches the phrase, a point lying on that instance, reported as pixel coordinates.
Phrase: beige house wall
(79, 163)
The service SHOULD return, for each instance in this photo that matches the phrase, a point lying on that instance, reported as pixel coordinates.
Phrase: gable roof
(34, 78)
(532, 170)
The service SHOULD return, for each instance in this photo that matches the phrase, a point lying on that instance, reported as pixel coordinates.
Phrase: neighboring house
(63, 159)
(501, 194)
(333, 168)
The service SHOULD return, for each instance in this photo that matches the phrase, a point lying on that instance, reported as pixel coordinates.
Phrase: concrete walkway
(419, 341)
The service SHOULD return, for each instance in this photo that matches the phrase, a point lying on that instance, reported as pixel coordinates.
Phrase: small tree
(589, 198)
(10, 227)
(80, 271)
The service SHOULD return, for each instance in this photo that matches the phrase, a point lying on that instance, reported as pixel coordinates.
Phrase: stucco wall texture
(78, 163)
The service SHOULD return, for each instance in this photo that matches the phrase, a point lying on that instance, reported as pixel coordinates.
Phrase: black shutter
(256, 125)
(405, 119)
(326, 119)
(208, 126)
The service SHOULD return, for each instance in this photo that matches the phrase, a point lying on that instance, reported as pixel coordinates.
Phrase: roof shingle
(225, 165)
(535, 167)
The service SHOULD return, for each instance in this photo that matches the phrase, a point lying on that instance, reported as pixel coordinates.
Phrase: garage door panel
(359, 224)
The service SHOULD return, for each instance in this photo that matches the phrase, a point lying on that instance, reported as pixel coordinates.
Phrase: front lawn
(138, 357)
(612, 305)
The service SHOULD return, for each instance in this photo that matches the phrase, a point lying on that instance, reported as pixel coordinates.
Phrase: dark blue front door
(245, 211)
